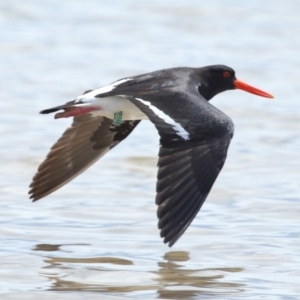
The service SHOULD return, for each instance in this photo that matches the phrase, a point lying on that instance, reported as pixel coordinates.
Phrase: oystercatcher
(194, 136)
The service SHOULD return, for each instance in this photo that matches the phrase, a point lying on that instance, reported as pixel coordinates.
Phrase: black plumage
(194, 138)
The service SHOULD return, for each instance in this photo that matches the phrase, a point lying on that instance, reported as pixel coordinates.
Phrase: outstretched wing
(185, 177)
(82, 144)
(195, 137)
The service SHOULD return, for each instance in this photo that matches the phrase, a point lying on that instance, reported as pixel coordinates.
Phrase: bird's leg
(75, 111)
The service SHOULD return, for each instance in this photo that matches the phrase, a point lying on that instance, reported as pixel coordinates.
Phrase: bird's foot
(74, 111)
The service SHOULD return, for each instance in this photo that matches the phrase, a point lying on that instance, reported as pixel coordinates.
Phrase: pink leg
(75, 112)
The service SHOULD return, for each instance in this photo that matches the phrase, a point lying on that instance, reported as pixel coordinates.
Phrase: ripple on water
(97, 237)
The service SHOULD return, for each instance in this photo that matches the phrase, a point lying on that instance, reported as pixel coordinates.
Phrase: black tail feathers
(56, 108)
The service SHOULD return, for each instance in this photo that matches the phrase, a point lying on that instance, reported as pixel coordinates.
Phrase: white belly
(108, 106)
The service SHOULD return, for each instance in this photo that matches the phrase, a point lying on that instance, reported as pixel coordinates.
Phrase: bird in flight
(194, 136)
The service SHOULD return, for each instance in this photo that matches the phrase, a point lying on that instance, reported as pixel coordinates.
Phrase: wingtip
(168, 242)
(171, 244)
(32, 196)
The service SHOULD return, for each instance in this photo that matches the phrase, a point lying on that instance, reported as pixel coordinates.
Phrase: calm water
(96, 238)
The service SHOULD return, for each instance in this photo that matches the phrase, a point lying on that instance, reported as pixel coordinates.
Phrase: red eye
(226, 74)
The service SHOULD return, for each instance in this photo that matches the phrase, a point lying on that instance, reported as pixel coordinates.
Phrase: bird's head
(219, 78)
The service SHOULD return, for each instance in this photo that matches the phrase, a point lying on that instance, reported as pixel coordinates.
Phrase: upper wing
(80, 146)
(195, 137)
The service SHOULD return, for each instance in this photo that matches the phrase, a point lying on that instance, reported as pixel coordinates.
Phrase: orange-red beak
(250, 89)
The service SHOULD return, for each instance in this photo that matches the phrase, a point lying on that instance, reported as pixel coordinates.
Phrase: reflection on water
(171, 280)
(47, 247)
(178, 282)
(57, 261)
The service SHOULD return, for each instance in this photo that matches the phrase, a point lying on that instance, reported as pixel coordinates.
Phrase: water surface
(97, 237)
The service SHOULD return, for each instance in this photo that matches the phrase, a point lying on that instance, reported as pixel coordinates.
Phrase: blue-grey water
(97, 237)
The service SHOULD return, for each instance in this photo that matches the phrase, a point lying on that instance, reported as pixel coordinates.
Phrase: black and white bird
(194, 136)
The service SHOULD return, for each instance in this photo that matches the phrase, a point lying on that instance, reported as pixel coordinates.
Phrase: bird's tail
(56, 108)
(71, 109)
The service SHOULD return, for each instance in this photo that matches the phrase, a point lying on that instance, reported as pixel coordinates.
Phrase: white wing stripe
(176, 126)
(89, 97)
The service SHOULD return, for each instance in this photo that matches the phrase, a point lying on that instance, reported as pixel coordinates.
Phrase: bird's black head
(215, 79)
(219, 78)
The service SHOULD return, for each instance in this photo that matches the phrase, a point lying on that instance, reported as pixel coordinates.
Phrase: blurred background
(97, 237)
